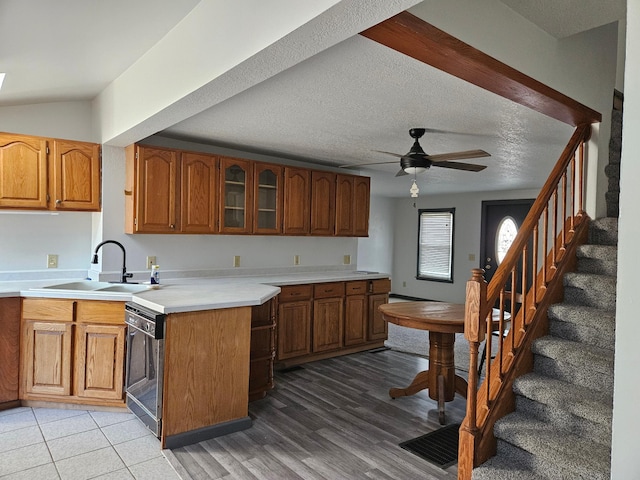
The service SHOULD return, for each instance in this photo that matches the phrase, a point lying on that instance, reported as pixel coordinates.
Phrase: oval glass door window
(506, 234)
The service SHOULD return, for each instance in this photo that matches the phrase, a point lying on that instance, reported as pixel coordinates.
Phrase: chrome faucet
(125, 275)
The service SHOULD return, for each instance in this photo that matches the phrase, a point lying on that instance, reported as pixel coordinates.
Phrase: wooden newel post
(475, 328)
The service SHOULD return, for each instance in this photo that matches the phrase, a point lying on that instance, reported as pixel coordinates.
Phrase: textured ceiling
(327, 111)
(336, 108)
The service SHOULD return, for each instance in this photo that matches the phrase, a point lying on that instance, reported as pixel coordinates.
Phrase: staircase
(561, 426)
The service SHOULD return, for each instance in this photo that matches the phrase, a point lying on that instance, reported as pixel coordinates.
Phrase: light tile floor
(52, 444)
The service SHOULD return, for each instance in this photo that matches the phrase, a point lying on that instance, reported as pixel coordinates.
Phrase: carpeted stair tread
(600, 259)
(498, 469)
(556, 454)
(580, 401)
(574, 353)
(603, 231)
(565, 421)
(590, 289)
(578, 323)
(573, 362)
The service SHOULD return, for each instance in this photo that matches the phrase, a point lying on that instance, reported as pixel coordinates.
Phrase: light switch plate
(236, 260)
(296, 259)
(52, 261)
(347, 260)
(151, 260)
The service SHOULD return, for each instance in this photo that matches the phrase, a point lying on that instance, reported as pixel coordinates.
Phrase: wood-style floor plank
(330, 420)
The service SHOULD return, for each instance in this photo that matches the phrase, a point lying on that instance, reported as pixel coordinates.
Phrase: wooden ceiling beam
(416, 38)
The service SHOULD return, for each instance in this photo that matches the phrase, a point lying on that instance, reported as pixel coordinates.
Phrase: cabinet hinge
(47, 149)
(135, 221)
(136, 155)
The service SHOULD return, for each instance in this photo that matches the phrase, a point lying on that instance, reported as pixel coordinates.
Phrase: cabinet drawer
(292, 293)
(356, 288)
(328, 290)
(100, 312)
(48, 309)
(382, 285)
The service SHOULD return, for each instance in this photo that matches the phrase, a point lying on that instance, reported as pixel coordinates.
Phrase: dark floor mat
(439, 447)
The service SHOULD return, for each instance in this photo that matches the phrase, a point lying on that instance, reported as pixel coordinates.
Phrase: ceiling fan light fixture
(414, 170)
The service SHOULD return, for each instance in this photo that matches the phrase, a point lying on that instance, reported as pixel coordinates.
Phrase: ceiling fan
(416, 160)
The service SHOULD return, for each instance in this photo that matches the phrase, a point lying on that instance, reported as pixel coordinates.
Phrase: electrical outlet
(296, 259)
(236, 260)
(52, 261)
(404, 284)
(472, 257)
(347, 260)
(151, 261)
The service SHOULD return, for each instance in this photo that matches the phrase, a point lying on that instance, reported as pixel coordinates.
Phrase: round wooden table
(443, 321)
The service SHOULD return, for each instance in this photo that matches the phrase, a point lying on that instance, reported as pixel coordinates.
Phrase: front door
(501, 220)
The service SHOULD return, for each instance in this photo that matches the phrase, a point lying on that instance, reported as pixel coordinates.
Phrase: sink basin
(90, 286)
(86, 285)
(125, 288)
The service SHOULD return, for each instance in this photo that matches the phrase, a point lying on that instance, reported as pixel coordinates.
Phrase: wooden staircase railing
(542, 251)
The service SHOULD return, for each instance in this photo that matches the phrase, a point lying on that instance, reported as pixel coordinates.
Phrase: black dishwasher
(144, 364)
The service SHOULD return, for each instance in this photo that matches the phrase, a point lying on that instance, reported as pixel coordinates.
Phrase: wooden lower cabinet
(377, 326)
(294, 329)
(47, 357)
(355, 323)
(99, 360)
(72, 351)
(9, 351)
(329, 319)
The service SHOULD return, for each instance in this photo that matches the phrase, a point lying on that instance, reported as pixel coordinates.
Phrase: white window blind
(435, 245)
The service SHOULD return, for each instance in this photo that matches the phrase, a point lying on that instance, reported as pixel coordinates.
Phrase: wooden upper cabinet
(297, 201)
(23, 171)
(150, 191)
(268, 196)
(352, 205)
(236, 194)
(361, 202)
(344, 204)
(323, 203)
(75, 174)
(199, 200)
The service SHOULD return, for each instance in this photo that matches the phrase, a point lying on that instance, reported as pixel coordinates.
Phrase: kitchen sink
(90, 286)
(125, 288)
(85, 285)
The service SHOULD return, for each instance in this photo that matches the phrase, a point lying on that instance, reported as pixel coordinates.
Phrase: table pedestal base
(441, 379)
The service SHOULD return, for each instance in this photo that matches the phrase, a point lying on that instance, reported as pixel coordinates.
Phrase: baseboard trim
(206, 433)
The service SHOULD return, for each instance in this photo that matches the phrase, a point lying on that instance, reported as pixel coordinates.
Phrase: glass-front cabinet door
(236, 195)
(268, 198)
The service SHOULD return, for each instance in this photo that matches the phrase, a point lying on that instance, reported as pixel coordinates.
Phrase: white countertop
(193, 294)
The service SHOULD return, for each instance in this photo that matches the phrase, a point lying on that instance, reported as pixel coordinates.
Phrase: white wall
(375, 252)
(626, 421)
(466, 242)
(68, 120)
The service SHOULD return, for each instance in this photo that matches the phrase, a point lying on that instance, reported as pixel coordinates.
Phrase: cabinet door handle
(58, 201)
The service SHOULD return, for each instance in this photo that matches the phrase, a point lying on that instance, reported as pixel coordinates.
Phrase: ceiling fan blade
(389, 153)
(458, 155)
(354, 165)
(401, 173)
(469, 167)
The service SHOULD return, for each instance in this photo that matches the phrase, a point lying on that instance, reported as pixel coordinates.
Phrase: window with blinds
(435, 244)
